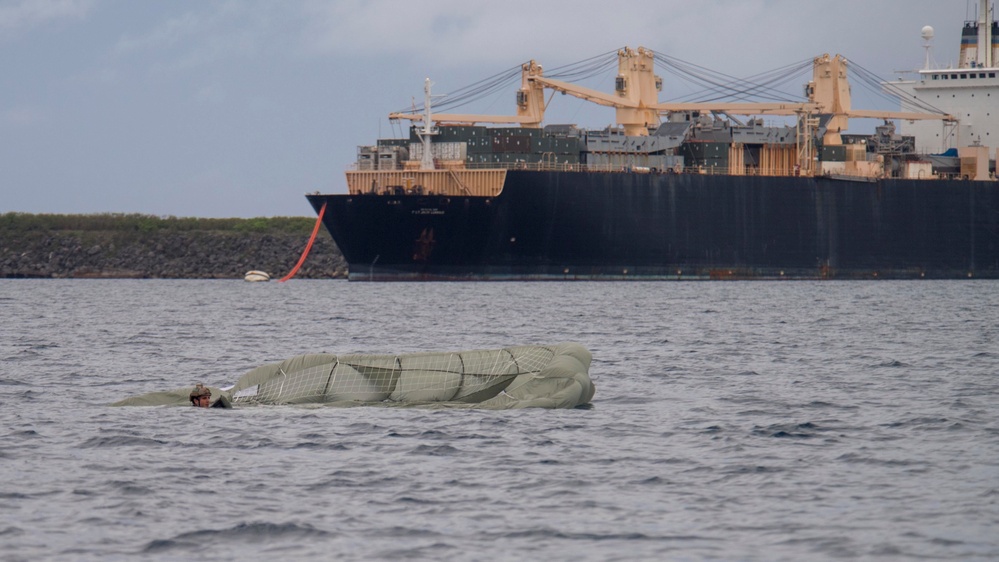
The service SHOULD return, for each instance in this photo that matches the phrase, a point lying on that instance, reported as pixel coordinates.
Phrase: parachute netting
(467, 376)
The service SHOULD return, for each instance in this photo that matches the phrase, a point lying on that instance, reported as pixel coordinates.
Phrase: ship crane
(636, 90)
(530, 105)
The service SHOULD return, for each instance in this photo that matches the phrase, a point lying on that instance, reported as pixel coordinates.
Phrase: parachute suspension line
(331, 378)
(301, 260)
(284, 377)
(512, 358)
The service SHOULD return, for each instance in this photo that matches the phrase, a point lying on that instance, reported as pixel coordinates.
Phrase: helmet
(200, 390)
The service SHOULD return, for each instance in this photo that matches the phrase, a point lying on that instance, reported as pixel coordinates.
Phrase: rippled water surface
(732, 420)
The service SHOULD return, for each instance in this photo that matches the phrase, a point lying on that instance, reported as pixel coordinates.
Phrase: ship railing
(700, 170)
(574, 167)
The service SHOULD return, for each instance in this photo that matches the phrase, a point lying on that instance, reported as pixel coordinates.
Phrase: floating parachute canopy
(513, 377)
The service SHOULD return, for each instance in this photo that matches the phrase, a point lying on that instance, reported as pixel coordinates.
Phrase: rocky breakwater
(139, 246)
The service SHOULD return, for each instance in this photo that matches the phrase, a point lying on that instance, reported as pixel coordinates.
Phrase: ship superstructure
(970, 91)
(455, 154)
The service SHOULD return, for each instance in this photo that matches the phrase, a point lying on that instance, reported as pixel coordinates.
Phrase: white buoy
(256, 276)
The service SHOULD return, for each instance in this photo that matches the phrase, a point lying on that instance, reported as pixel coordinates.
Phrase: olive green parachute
(513, 377)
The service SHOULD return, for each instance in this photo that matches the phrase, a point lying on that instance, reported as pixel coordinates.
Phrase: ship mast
(984, 35)
(427, 162)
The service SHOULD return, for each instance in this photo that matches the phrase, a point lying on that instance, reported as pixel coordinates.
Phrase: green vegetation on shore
(26, 222)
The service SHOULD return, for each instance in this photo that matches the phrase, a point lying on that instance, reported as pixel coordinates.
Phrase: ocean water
(732, 421)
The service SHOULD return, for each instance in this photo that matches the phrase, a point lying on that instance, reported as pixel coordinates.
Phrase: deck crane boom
(637, 107)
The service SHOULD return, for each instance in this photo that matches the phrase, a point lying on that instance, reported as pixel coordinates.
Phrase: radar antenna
(927, 35)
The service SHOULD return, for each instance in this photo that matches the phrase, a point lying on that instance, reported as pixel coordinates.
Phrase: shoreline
(111, 246)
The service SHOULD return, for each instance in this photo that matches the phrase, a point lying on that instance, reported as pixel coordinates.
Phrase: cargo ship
(688, 190)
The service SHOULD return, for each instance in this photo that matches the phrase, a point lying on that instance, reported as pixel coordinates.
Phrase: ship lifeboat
(256, 276)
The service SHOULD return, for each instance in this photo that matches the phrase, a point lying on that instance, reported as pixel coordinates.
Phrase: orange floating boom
(301, 260)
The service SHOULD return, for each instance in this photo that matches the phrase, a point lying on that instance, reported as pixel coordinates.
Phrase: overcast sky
(238, 108)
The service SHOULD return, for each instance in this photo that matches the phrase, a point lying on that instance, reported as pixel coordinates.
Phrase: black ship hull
(618, 226)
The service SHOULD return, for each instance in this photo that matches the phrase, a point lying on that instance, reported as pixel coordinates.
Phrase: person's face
(203, 401)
